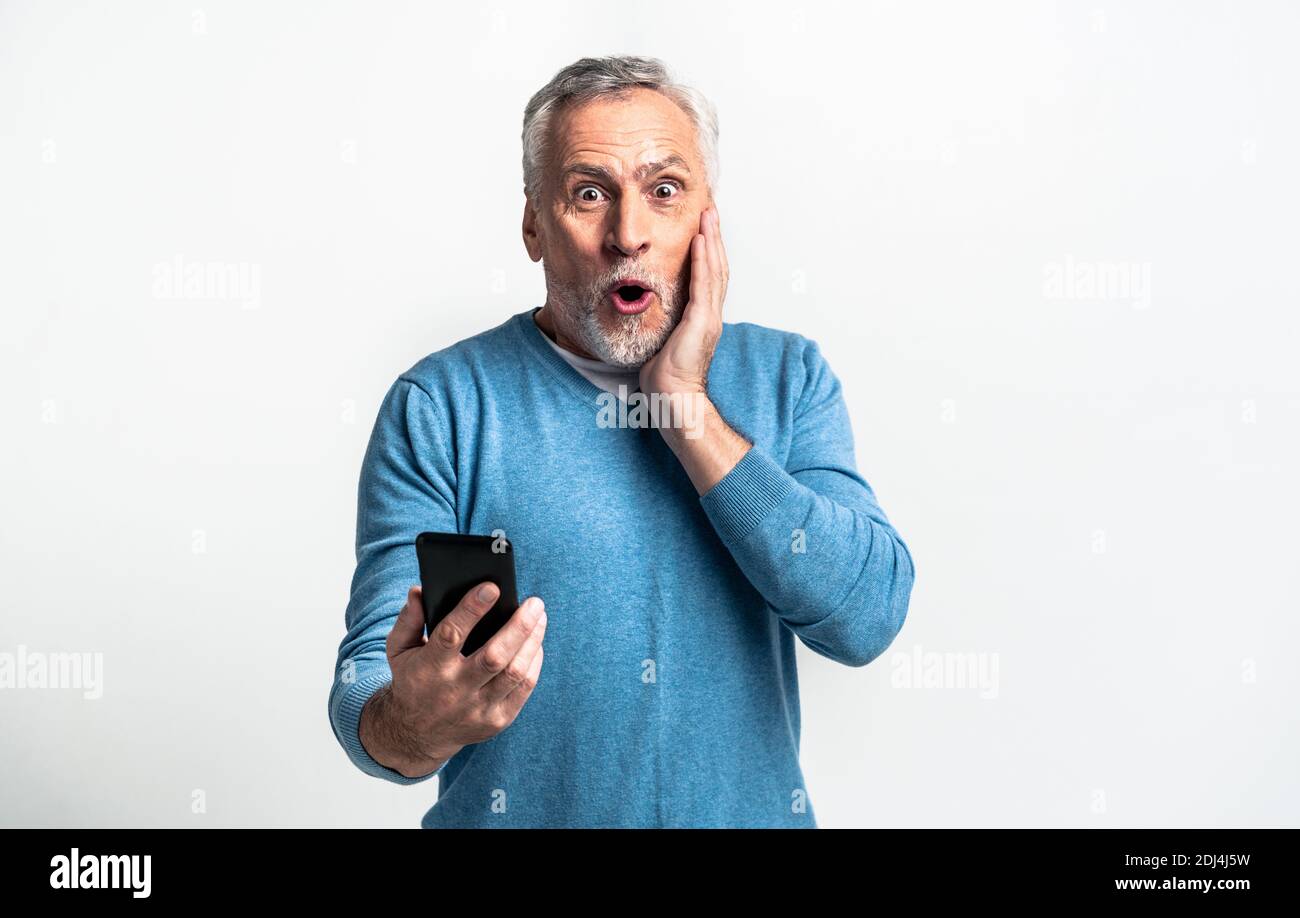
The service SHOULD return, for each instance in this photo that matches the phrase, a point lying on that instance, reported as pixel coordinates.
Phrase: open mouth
(630, 297)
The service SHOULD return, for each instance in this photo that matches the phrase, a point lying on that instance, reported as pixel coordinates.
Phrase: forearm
(386, 740)
(704, 443)
(837, 575)
(807, 554)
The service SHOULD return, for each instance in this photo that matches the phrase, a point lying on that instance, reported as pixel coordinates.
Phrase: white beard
(631, 342)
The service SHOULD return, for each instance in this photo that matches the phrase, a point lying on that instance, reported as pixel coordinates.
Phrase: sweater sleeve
(407, 486)
(811, 537)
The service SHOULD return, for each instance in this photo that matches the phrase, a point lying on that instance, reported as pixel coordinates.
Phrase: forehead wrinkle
(629, 122)
(663, 150)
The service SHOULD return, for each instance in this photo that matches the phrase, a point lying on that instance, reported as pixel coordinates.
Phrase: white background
(1098, 491)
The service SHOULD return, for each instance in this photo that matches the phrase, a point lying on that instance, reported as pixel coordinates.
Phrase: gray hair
(594, 77)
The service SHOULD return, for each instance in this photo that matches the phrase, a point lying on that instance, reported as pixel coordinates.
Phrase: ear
(532, 231)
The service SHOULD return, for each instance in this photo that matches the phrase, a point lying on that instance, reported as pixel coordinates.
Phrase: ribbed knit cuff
(347, 722)
(746, 494)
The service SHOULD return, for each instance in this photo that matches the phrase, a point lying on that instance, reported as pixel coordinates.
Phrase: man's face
(622, 197)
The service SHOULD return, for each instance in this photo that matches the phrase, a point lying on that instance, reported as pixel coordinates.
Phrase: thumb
(408, 630)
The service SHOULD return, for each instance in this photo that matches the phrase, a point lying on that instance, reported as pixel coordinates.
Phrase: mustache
(652, 280)
(588, 297)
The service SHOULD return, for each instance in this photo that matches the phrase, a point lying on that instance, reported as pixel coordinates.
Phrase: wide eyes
(590, 194)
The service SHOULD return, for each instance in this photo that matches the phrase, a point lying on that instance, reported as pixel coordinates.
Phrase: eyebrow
(642, 172)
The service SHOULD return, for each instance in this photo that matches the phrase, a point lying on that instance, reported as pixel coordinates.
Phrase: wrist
(385, 734)
(678, 388)
(684, 416)
(707, 446)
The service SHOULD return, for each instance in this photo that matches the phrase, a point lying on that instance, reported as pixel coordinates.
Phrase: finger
(509, 678)
(722, 247)
(408, 630)
(515, 700)
(711, 235)
(699, 274)
(703, 285)
(448, 637)
(494, 656)
(718, 265)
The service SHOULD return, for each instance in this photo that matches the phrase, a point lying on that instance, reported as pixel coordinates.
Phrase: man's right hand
(440, 700)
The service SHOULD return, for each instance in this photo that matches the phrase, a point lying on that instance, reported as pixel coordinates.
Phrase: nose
(629, 234)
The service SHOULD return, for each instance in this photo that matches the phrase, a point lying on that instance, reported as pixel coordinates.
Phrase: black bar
(866, 867)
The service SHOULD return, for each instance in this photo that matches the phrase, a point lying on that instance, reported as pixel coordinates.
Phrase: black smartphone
(451, 564)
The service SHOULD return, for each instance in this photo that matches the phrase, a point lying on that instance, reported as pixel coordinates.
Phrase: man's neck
(544, 322)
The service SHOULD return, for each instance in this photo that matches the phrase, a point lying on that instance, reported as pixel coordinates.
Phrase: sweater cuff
(746, 494)
(348, 725)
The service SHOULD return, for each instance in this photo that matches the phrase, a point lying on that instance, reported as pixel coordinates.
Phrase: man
(669, 565)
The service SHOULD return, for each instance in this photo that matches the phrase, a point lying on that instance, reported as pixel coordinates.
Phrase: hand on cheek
(682, 365)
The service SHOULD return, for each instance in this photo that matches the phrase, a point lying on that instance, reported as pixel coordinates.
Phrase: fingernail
(485, 592)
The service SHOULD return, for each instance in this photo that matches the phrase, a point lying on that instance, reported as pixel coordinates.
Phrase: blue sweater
(669, 694)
